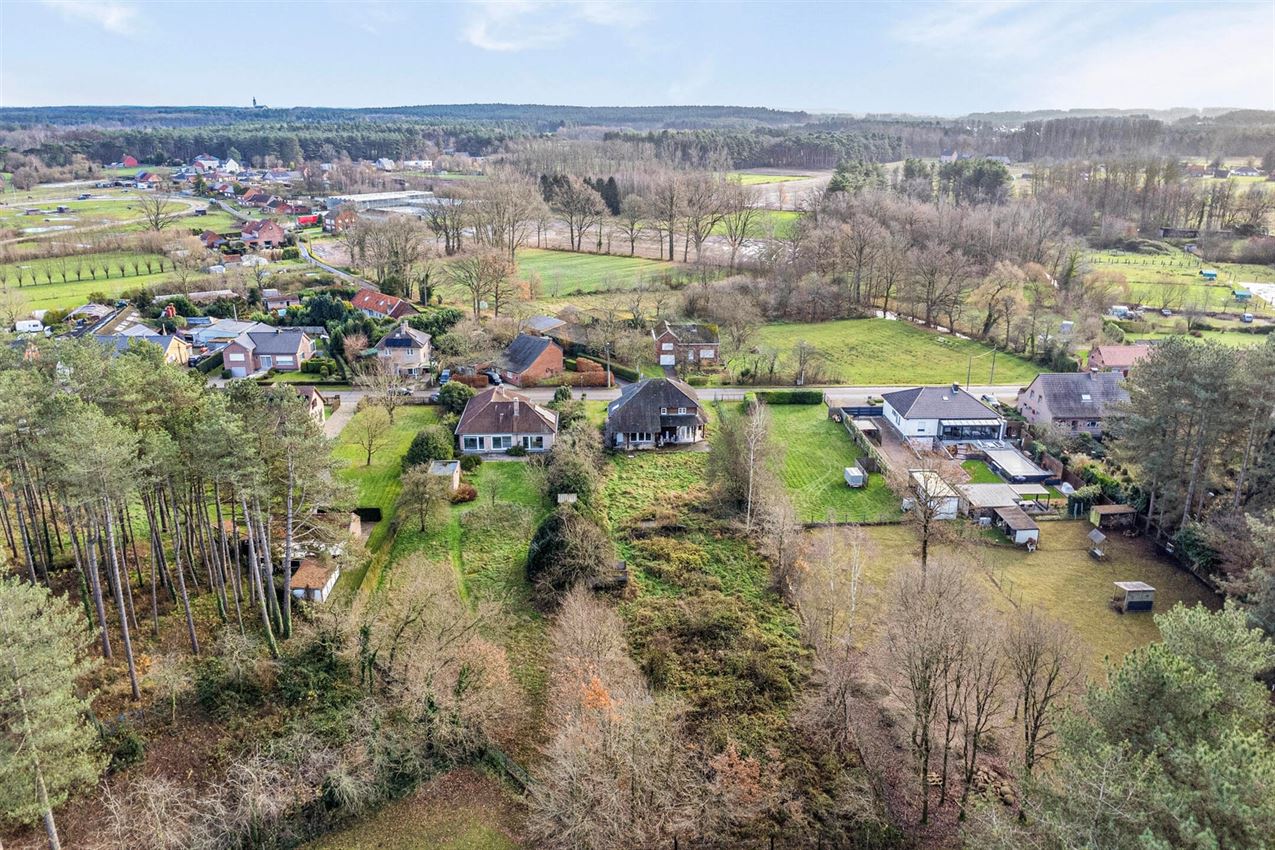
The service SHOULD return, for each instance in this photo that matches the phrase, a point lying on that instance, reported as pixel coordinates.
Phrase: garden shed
(1018, 526)
(1133, 596)
(1112, 516)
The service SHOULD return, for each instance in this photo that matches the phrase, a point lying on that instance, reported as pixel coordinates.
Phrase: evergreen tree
(46, 745)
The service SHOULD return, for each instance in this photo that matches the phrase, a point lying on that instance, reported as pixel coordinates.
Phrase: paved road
(846, 396)
(346, 276)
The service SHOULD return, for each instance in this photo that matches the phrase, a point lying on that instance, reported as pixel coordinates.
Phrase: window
(668, 346)
(473, 444)
(503, 441)
(681, 411)
(234, 357)
(706, 354)
(537, 442)
(664, 411)
(285, 360)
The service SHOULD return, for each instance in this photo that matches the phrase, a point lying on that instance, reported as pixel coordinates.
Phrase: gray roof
(404, 336)
(638, 407)
(278, 341)
(523, 351)
(947, 402)
(543, 324)
(121, 343)
(1080, 395)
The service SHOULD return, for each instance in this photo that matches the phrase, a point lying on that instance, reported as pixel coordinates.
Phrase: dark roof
(309, 392)
(121, 343)
(1080, 395)
(948, 402)
(690, 333)
(1017, 519)
(278, 341)
(502, 411)
(523, 351)
(404, 336)
(638, 407)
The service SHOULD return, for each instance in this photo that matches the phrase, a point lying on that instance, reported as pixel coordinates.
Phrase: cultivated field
(882, 352)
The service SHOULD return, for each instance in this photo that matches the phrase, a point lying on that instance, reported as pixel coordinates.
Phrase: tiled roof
(947, 402)
(523, 351)
(502, 411)
(1080, 395)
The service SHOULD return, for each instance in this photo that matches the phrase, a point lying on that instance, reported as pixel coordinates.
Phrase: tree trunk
(119, 602)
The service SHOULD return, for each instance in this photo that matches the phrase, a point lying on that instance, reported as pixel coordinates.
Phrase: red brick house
(263, 233)
(1117, 358)
(498, 419)
(283, 349)
(340, 221)
(211, 239)
(685, 344)
(530, 359)
(378, 305)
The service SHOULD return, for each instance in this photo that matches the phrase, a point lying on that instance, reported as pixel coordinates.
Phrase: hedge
(209, 364)
(790, 396)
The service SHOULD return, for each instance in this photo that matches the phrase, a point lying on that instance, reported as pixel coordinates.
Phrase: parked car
(1247, 318)
(1166, 312)
(433, 398)
(444, 376)
(402, 391)
(493, 376)
(84, 196)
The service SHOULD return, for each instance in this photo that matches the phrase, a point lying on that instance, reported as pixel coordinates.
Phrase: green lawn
(42, 295)
(1063, 580)
(751, 178)
(816, 453)
(564, 274)
(768, 224)
(1173, 280)
(881, 352)
(981, 473)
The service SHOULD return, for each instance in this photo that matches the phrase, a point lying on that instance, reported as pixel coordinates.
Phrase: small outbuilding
(314, 581)
(855, 477)
(930, 488)
(1018, 526)
(1133, 596)
(1112, 516)
(449, 469)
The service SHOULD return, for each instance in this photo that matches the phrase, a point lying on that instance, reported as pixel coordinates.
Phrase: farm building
(981, 500)
(1133, 596)
(1112, 516)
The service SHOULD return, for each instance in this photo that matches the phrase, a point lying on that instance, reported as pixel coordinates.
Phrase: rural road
(846, 396)
(346, 276)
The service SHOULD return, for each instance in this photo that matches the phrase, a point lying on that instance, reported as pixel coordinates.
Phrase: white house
(385, 164)
(927, 415)
(231, 167)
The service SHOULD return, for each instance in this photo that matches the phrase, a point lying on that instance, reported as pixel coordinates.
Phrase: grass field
(1173, 280)
(460, 810)
(981, 473)
(751, 178)
(1063, 580)
(816, 452)
(563, 274)
(44, 296)
(881, 352)
(768, 224)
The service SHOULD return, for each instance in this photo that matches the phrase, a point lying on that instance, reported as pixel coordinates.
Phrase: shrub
(464, 493)
(291, 253)
(454, 396)
(566, 549)
(561, 394)
(316, 365)
(316, 675)
(516, 451)
(431, 443)
(790, 396)
(124, 746)
(468, 463)
(697, 380)
(225, 374)
(571, 473)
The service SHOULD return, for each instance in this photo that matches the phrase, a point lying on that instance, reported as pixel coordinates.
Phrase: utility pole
(992, 378)
(969, 369)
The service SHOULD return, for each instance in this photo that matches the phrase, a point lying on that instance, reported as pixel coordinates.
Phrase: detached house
(405, 349)
(378, 305)
(685, 344)
(262, 233)
(1117, 358)
(498, 419)
(925, 416)
(284, 349)
(656, 412)
(530, 359)
(1073, 401)
(314, 403)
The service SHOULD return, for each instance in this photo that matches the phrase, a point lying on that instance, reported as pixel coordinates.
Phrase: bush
(790, 396)
(697, 380)
(454, 396)
(516, 451)
(571, 473)
(464, 493)
(561, 394)
(625, 372)
(468, 463)
(291, 253)
(431, 443)
(123, 745)
(208, 364)
(225, 375)
(317, 365)
(566, 549)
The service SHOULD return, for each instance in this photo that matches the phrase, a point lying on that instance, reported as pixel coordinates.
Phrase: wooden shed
(1133, 596)
(1018, 526)
(1112, 516)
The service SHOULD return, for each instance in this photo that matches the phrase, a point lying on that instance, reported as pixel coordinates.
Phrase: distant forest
(736, 137)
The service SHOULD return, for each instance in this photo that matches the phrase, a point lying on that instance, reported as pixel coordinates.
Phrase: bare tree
(158, 208)
(478, 274)
(1041, 654)
(982, 701)
(741, 213)
(386, 386)
(581, 207)
(756, 438)
(631, 222)
(370, 430)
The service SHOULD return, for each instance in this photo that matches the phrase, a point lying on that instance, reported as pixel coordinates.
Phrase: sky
(942, 58)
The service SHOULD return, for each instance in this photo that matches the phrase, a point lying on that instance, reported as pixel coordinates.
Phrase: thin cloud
(508, 26)
(114, 17)
(996, 29)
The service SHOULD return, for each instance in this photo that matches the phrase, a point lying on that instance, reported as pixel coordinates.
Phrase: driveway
(341, 417)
